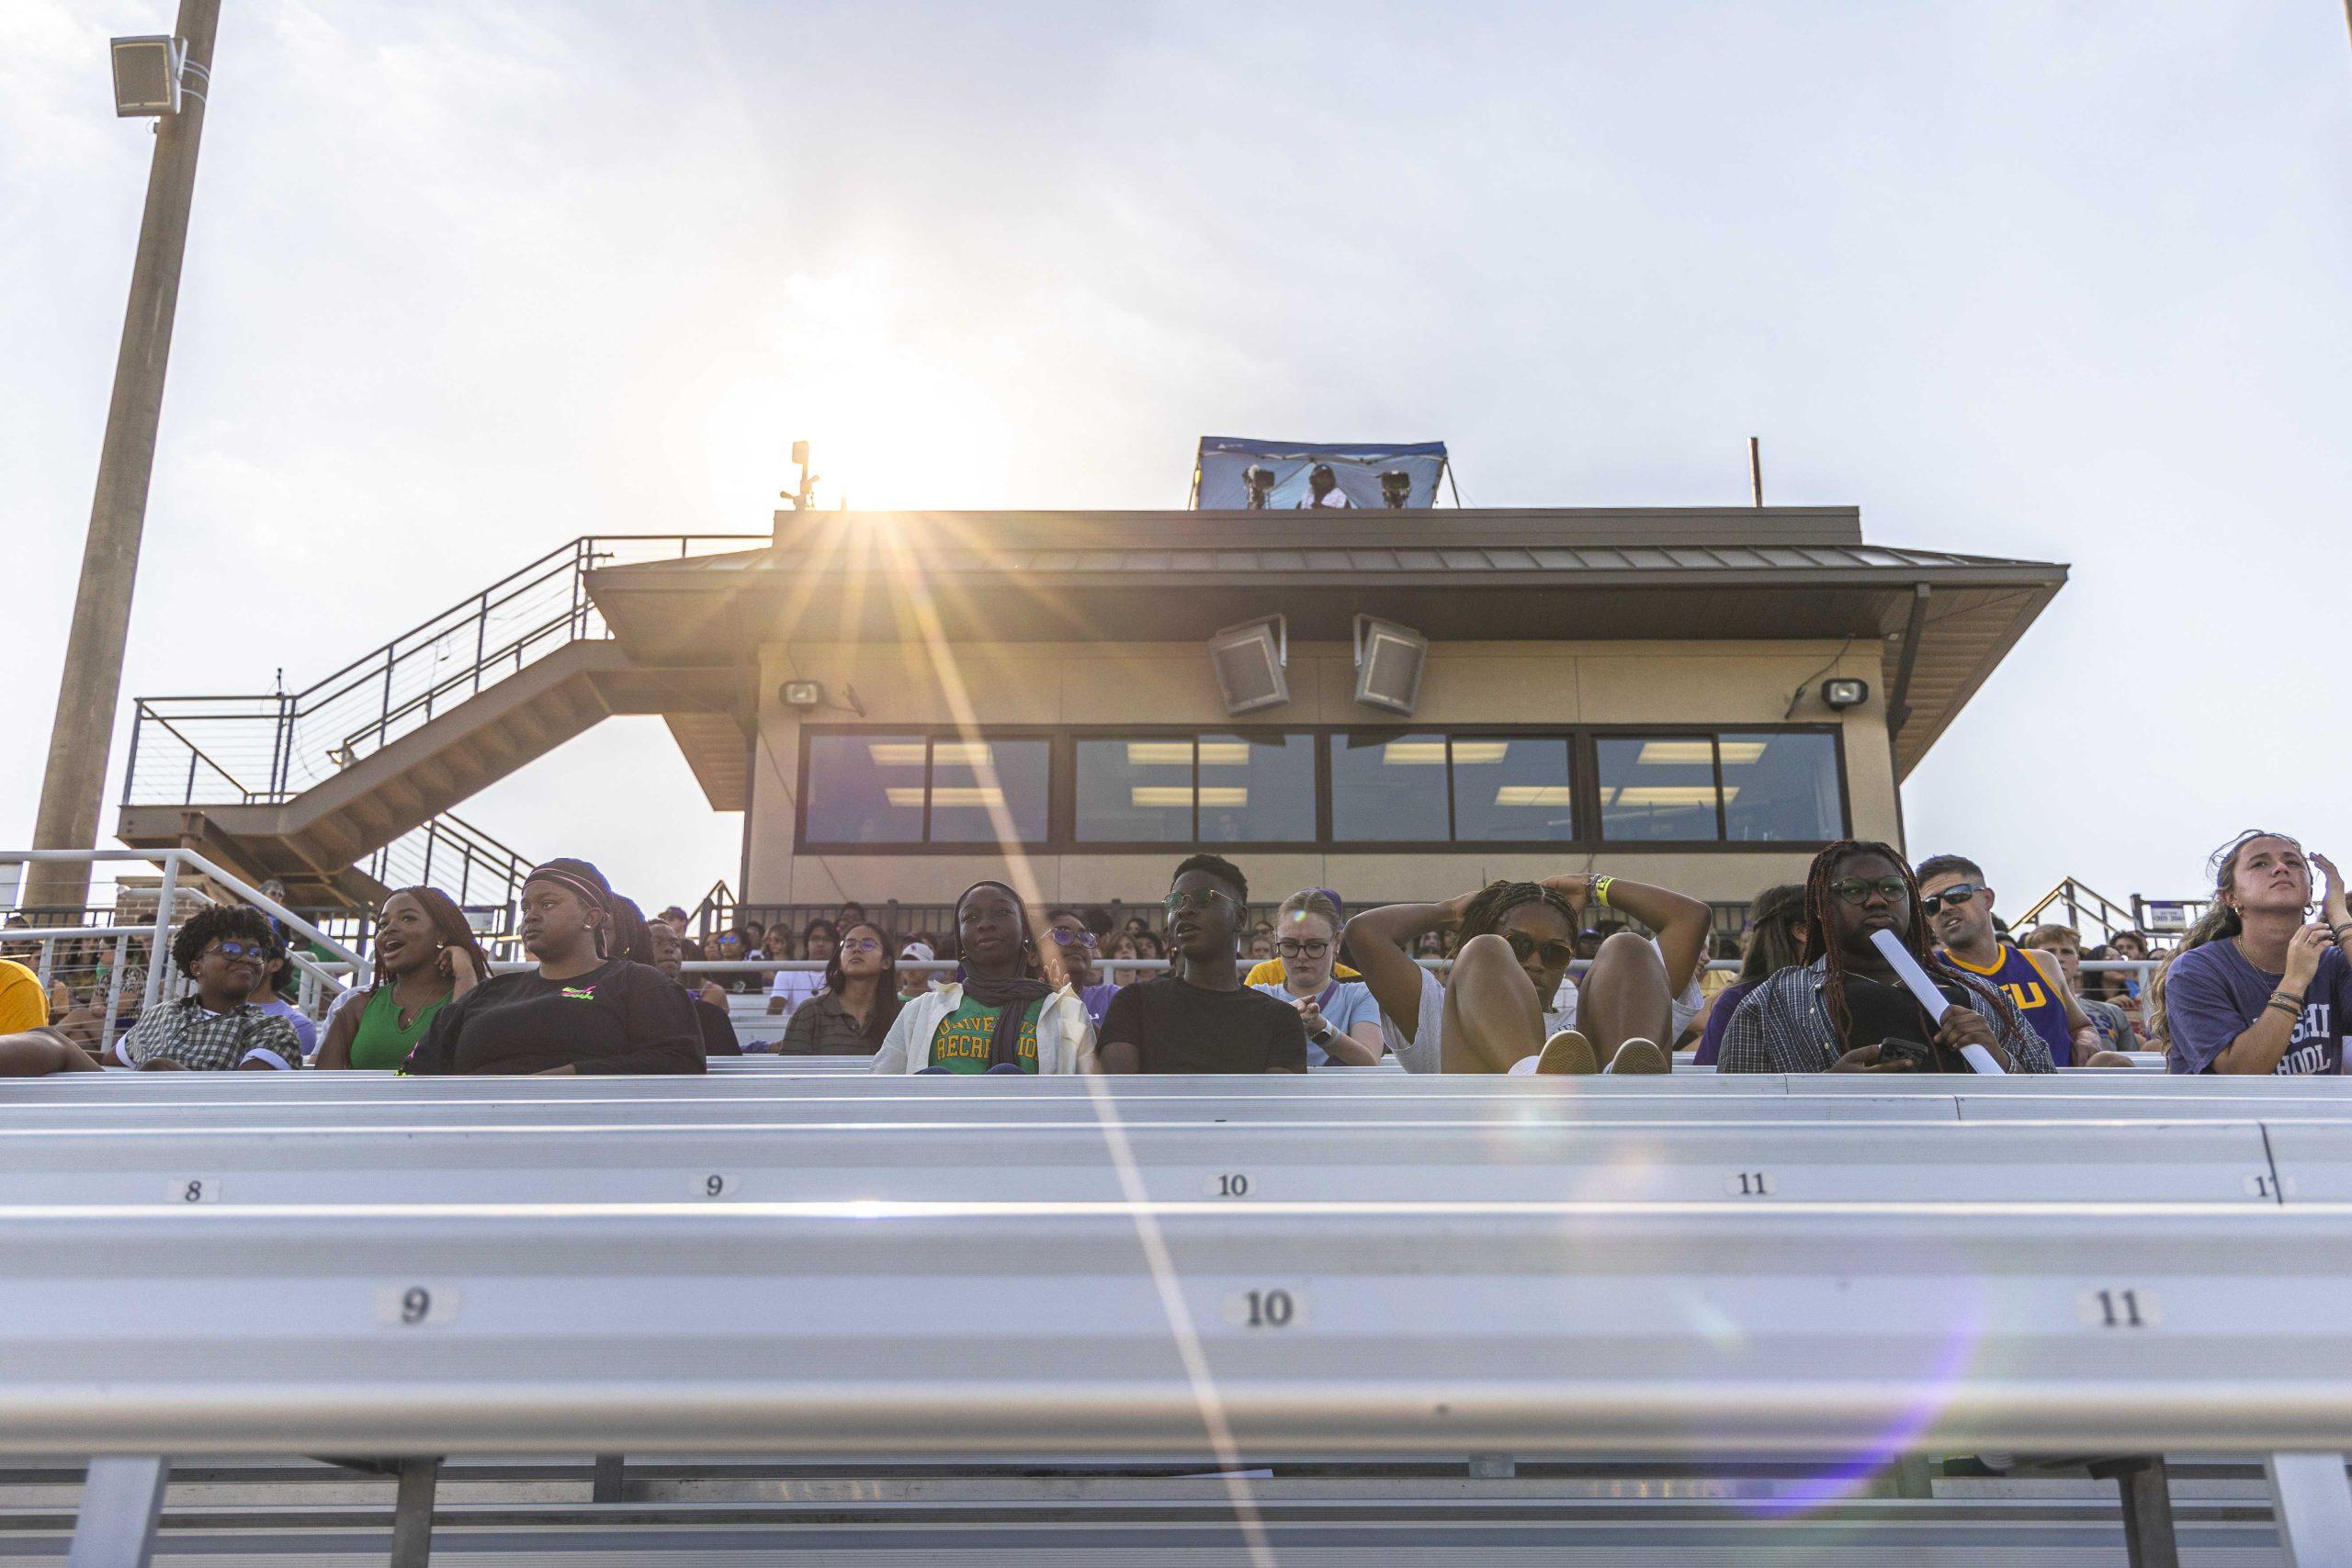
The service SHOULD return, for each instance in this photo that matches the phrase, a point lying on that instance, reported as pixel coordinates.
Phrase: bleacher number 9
(416, 1306)
(1272, 1308)
(717, 1184)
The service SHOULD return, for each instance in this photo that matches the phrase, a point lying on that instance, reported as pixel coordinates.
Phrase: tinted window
(1134, 791)
(1660, 788)
(971, 779)
(1511, 790)
(1257, 789)
(1781, 787)
(864, 789)
(1388, 788)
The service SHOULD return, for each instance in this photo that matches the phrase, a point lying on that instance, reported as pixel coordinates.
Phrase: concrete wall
(1099, 684)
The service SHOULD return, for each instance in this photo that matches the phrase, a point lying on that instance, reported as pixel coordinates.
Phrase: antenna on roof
(1756, 467)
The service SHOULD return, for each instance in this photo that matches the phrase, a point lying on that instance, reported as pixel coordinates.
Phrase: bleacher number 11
(2126, 1308)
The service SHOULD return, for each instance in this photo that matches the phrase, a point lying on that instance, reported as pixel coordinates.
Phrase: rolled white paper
(1907, 968)
(1935, 1001)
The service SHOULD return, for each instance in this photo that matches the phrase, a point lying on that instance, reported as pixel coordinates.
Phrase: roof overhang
(1745, 574)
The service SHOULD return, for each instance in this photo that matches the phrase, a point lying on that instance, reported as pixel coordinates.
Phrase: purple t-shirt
(1719, 1020)
(1096, 1000)
(2212, 996)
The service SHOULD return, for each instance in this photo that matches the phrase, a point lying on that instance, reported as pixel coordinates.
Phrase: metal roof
(1557, 575)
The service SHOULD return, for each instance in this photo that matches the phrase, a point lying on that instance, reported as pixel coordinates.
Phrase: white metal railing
(156, 935)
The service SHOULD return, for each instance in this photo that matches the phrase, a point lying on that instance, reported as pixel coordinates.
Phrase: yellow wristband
(1600, 890)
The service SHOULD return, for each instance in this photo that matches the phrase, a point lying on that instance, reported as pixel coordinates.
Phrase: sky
(2069, 281)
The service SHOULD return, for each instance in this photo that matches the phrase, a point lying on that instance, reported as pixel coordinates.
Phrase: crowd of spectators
(1580, 972)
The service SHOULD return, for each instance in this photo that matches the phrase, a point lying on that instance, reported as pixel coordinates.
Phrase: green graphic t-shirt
(962, 1041)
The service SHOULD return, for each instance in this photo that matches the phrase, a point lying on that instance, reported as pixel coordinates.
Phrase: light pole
(73, 785)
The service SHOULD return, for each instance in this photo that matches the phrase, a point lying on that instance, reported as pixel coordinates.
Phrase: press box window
(1174, 789)
(882, 789)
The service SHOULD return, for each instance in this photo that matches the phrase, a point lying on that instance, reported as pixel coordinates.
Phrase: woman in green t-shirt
(426, 956)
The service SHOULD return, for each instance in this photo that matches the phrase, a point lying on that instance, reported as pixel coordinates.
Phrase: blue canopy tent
(1218, 485)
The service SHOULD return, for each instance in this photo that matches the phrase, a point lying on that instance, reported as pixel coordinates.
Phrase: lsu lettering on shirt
(2033, 993)
(962, 1041)
(2214, 994)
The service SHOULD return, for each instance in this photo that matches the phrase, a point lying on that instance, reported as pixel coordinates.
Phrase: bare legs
(1493, 1019)
(1624, 997)
(1492, 1015)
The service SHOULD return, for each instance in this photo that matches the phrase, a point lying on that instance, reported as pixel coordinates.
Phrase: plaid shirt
(1782, 1026)
(183, 1032)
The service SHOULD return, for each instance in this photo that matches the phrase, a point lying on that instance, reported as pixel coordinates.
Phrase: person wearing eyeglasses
(853, 1015)
(1509, 1005)
(1202, 1019)
(1341, 1020)
(215, 1028)
(1069, 957)
(1958, 908)
(1846, 1010)
(997, 1015)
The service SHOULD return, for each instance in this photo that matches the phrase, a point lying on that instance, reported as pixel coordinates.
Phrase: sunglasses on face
(1200, 898)
(859, 944)
(1291, 947)
(1854, 889)
(238, 950)
(1554, 954)
(1063, 937)
(1958, 894)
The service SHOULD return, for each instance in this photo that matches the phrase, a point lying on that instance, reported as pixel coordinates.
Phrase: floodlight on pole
(174, 84)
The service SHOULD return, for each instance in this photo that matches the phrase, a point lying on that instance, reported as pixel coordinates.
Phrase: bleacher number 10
(1264, 1309)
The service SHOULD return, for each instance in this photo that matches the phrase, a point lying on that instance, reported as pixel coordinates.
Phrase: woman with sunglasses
(1341, 1020)
(854, 1013)
(1068, 957)
(1509, 1005)
(996, 1016)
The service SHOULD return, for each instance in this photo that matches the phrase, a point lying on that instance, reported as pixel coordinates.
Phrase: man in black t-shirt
(1207, 1020)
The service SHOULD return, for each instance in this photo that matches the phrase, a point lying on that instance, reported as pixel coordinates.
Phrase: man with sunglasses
(1202, 1020)
(1958, 908)
(1847, 1010)
(215, 1028)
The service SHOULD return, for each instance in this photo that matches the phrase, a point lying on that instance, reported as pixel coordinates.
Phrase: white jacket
(1065, 1034)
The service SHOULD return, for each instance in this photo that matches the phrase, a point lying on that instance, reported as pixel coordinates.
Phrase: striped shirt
(1782, 1026)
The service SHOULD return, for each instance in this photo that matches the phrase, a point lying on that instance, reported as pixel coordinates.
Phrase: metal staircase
(341, 791)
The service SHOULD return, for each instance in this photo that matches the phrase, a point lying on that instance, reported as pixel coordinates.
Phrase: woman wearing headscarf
(585, 1007)
(996, 1016)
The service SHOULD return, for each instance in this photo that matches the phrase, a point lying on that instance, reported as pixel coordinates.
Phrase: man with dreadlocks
(1509, 1005)
(1845, 1009)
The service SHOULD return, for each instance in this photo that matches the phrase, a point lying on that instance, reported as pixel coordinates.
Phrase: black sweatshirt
(618, 1018)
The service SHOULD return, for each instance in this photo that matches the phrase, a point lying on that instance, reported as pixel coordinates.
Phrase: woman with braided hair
(1845, 1009)
(1509, 1005)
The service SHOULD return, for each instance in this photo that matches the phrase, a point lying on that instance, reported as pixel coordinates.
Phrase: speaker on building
(1388, 664)
(1249, 661)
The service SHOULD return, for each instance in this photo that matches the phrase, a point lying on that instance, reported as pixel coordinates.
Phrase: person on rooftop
(1323, 490)
(2258, 986)
(224, 950)
(584, 1008)
(1509, 1005)
(426, 956)
(1846, 1009)
(999, 1016)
